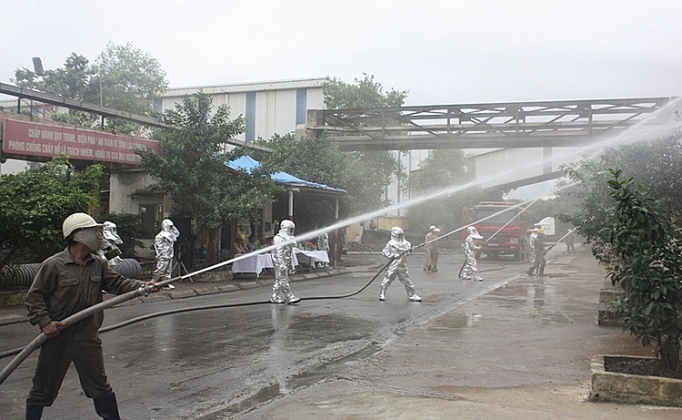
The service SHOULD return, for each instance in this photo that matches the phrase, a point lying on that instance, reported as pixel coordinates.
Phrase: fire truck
(502, 229)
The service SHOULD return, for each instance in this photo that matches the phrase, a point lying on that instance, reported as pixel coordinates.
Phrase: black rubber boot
(106, 406)
(34, 412)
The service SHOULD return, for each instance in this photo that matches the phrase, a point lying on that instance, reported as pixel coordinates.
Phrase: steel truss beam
(494, 125)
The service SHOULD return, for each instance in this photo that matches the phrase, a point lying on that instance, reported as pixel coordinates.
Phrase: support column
(291, 202)
(336, 235)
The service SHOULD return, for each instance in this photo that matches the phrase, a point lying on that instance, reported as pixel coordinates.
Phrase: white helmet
(397, 233)
(432, 228)
(473, 232)
(77, 221)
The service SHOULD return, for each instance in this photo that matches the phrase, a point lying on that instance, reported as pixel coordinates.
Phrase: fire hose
(40, 339)
(23, 353)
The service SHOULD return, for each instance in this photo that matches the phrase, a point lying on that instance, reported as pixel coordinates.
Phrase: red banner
(23, 138)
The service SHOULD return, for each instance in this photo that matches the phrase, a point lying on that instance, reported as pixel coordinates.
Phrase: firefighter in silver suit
(397, 249)
(282, 260)
(471, 246)
(432, 250)
(111, 252)
(533, 237)
(163, 246)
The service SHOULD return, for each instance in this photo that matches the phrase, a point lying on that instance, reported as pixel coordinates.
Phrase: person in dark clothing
(66, 283)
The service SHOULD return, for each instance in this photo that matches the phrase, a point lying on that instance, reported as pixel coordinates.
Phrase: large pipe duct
(21, 275)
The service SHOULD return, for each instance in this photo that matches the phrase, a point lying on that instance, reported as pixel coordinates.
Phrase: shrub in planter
(645, 259)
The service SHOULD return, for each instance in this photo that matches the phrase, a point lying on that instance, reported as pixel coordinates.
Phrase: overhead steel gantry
(493, 125)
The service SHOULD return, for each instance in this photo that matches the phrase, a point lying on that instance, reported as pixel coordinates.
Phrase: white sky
(442, 52)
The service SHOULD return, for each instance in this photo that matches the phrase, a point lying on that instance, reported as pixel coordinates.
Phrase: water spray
(597, 147)
(559, 240)
(510, 220)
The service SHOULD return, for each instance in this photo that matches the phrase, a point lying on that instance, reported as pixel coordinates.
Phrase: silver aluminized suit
(432, 250)
(111, 235)
(163, 245)
(397, 249)
(470, 269)
(323, 245)
(323, 242)
(282, 260)
(533, 236)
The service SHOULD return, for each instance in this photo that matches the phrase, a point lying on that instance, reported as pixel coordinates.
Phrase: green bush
(645, 259)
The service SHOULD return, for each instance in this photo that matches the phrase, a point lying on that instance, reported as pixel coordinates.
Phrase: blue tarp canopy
(248, 164)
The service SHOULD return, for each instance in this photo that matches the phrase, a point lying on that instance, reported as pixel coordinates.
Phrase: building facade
(269, 107)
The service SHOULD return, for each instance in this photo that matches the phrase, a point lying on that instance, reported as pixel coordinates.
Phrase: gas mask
(94, 239)
(111, 251)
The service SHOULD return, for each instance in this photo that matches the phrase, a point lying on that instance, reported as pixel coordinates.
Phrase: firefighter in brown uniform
(66, 283)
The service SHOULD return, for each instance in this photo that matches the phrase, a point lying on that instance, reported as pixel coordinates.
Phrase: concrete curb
(632, 389)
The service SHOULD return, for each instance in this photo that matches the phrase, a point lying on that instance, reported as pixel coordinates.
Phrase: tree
(128, 79)
(36, 202)
(365, 93)
(361, 174)
(655, 163)
(441, 170)
(646, 261)
(317, 160)
(122, 77)
(191, 168)
(375, 168)
(320, 160)
(71, 81)
(634, 232)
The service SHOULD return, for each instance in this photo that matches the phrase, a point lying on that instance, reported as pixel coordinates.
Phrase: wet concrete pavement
(518, 351)
(521, 351)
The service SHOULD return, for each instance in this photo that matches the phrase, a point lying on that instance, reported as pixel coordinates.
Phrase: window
(301, 105)
(250, 116)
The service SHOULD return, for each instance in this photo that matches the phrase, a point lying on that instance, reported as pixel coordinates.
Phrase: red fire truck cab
(501, 224)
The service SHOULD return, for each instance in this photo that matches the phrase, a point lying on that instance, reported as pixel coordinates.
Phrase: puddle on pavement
(287, 385)
(455, 321)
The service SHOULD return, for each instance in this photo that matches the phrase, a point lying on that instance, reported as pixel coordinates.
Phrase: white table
(252, 263)
(311, 257)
